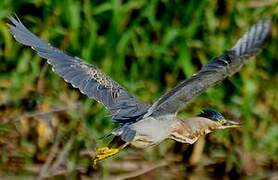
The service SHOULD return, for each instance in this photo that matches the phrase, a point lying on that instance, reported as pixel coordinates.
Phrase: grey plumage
(142, 125)
(128, 134)
(90, 80)
(214, 72)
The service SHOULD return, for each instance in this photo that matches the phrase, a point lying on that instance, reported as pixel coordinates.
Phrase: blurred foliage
(47, 128)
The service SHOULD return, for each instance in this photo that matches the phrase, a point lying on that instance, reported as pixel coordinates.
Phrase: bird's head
(218, 118)
(208, 120)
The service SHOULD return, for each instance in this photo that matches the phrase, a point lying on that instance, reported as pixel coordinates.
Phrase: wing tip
(253, 40)
(14, 21)
(18, 30)
(267, 26)
(266, 21)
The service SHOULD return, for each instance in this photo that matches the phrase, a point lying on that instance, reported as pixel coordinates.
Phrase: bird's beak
(230, 124)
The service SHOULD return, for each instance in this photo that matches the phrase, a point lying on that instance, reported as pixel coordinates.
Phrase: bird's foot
(105, 152)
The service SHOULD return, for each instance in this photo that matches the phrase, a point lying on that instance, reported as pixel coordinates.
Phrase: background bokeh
(48, 129)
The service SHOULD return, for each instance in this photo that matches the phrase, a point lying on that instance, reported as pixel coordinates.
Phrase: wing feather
(215, 71)
(90, 80)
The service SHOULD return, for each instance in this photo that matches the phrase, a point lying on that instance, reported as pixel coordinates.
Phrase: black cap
(211, 114)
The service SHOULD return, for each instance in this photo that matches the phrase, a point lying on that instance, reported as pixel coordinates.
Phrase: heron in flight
(143, 125)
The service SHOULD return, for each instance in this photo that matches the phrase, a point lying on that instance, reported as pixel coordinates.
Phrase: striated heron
(140, 124)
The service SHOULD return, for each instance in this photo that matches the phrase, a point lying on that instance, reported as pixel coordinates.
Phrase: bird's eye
(222, 121)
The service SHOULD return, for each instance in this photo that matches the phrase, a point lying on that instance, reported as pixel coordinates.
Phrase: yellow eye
(222, 121)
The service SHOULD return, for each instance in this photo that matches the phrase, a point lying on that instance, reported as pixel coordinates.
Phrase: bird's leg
(105, 152)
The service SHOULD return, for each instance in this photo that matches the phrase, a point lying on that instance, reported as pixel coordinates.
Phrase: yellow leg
(105, 152)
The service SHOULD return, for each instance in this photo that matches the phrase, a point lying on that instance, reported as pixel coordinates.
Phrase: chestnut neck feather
(188, 131)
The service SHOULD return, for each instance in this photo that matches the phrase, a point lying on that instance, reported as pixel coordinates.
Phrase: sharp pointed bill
(215, 71)
(229, 124)
(90, 80)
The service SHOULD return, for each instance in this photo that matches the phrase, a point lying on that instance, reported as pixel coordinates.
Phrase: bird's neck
(188, 131)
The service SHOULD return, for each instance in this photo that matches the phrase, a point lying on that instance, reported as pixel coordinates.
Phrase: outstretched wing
(215, 71)
(90, 80)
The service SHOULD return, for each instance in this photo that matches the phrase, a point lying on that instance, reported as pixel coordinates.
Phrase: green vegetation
(47, 127)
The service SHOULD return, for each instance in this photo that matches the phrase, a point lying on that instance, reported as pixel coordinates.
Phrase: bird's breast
(143, 141)
(150, 131)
